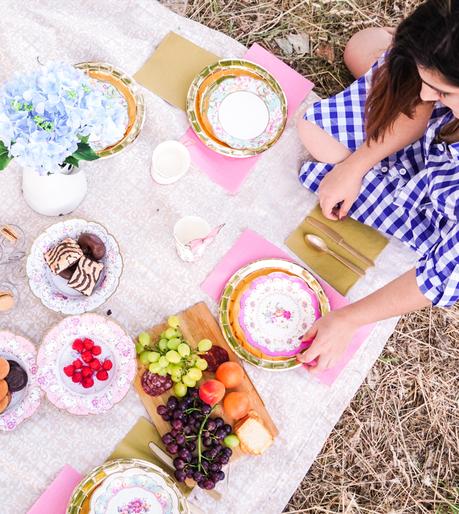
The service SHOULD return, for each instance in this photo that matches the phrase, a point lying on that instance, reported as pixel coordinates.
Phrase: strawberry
(88, 344)
(96, 350)
(95, 364)
(86, 356)
(77, 364)
(78, 345)
(102, 375)
(86, 371)
(107, 365)
(87, 382)
(77, 377)
(69, 370)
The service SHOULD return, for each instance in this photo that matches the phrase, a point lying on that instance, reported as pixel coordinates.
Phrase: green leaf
(72, 161)
(85, 153)
(5, 157)
(84, 139)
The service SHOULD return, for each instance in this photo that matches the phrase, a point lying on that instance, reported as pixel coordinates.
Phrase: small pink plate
(56, 352)
(23, 403)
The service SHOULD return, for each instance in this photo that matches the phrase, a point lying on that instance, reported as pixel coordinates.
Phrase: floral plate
(245, 112)
(56, 352)
(23, 403)
(134, 491)
(276, 311)
(52, 290)
(82, 496)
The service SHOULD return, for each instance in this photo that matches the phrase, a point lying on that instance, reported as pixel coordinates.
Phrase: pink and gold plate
(56, 352)
(23, 403)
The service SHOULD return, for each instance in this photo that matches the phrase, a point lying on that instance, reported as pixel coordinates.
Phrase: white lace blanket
(155, 282)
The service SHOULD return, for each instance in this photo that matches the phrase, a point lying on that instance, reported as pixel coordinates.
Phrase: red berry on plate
(88, 344)
(86, 356)
(77, 377)
(78, 345)
(107, 365)
(102, 375)
(86, 371)
(96, 350)
(69, 370)
(77, 364)
(87, 382)
(95, 364)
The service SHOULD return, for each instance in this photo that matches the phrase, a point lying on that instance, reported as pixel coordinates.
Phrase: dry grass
(396, 447)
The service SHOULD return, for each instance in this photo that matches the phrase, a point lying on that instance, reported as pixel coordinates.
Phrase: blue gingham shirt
(412, 195)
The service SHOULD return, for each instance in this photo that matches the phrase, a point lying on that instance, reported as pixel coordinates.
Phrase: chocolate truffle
(92, 246)
(62, 256)
(86, 276)
(17, 377)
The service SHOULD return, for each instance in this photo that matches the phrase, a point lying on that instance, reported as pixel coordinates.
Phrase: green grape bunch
(172, 355)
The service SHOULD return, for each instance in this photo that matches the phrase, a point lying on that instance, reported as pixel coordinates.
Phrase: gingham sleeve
(437, 272)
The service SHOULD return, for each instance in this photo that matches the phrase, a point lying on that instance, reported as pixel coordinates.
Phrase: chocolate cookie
(92, 246)
(17, 377)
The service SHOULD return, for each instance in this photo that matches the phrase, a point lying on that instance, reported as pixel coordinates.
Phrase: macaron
(3, 389)
(17, 377)
(4, 402)
(4, 368)
(6, 301)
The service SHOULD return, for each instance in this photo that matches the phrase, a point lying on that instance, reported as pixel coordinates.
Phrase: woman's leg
(365, 47)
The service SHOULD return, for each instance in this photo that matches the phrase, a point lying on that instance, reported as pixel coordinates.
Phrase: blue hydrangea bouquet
(52, 118)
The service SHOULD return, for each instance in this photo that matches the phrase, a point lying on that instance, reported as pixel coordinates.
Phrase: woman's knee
(365, 47)
(322, 146)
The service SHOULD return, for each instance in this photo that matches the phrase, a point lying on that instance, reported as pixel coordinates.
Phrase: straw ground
(396, 447)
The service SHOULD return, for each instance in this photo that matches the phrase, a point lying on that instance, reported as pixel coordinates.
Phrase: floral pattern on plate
(44, 284)
(52, 357)
(23, 403)
(276, 311)
(134, 491)
(260, 89)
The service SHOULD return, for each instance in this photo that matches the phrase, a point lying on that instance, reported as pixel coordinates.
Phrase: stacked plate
(265, 310)
(127, 486)
(237, 108)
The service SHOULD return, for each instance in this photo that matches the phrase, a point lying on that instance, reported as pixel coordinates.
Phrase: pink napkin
(230, 172)
(55, 499)
(251, 247)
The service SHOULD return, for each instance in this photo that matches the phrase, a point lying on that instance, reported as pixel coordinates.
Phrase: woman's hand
(331, 333)
(338, 190)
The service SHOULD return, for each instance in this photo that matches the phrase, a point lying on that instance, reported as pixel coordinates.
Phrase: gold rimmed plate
(230, 306)
(212, 96)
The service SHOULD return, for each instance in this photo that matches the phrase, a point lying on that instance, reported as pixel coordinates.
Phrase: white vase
(55, 194)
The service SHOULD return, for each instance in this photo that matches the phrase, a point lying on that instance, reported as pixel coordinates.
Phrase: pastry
(86, 276)
(3, 389)
(62, 256)
(255, 438)
(8, 233)
(92, 246)
(4, 368)
(6, 301)
(17, 377)
(4, 402)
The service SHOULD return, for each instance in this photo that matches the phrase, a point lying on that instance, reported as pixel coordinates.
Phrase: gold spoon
(319, 244)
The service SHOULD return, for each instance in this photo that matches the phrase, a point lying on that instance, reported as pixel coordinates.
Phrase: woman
(388, 156)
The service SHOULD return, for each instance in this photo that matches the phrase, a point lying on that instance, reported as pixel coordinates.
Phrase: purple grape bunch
(195, 440)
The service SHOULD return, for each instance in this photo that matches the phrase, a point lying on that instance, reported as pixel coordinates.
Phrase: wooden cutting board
(197, 323)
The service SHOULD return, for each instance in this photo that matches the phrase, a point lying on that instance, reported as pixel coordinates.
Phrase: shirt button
(384, 169)
(402, 171)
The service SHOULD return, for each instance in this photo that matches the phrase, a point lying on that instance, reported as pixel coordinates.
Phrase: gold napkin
(170, 71)
(363, 238)
(134, 445)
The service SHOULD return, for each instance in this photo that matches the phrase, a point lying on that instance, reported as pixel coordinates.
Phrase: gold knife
(338, 239)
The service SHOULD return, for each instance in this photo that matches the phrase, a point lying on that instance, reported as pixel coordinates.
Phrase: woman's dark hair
(429, 37)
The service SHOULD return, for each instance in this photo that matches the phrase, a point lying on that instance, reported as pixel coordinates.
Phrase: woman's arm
(333, 332)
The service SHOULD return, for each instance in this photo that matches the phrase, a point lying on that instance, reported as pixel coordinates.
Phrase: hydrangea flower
(45, 115)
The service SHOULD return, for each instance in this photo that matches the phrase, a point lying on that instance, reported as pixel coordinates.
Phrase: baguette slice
(255, 438)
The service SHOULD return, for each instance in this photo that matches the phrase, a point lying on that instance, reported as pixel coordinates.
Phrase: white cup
(170, 161)
(186, 230)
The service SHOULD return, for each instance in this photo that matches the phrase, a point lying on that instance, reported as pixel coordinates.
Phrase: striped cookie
(66, 253)
(86, 276)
